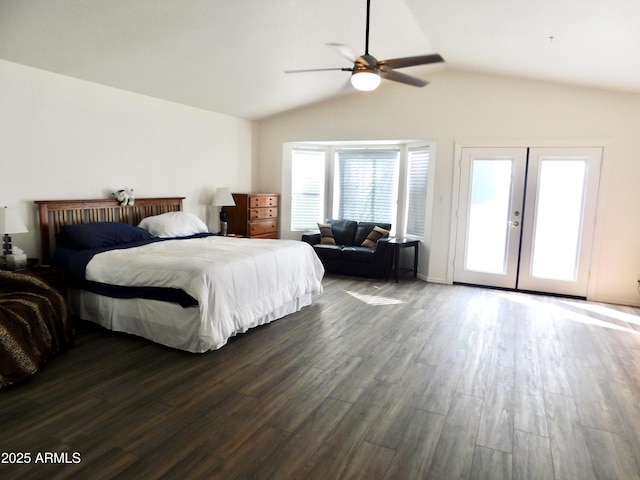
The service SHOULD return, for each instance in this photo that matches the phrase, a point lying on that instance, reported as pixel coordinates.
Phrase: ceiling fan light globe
(365, 81)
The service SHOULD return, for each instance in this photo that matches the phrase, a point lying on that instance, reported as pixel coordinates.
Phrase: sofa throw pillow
(376, 234)
(326, 234)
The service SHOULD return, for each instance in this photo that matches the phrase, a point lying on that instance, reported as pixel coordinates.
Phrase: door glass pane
(558, 219)
(488, 227)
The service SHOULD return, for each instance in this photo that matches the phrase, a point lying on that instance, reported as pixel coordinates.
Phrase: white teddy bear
(125, 197)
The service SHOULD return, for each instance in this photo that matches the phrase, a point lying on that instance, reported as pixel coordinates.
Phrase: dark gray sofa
(348, 256)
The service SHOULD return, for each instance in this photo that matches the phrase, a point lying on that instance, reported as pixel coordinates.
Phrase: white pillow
(173, 224)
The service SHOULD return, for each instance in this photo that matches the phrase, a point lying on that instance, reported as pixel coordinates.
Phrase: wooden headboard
(54, 214)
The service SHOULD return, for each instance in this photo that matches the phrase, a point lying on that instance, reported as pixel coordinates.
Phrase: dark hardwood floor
(375, 380)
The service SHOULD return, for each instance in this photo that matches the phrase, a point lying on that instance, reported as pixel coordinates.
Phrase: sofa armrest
(382, 242)
(312, 238)
(383, 258)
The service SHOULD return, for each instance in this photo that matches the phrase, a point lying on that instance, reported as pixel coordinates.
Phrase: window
(307, 188)
(366, 184)
(417, 179)
(387, 183)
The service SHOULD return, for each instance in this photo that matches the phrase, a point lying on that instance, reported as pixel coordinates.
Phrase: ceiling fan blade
(317, 70)
(402, 78)
(345, 51)
(412, 61)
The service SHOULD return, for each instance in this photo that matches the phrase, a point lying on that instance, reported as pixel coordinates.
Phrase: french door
(526, 218)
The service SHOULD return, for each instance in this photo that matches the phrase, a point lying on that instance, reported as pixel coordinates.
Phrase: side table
(395, 245)
(55, 276)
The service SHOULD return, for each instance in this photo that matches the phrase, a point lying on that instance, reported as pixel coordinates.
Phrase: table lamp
(223, 198)
(10, 222)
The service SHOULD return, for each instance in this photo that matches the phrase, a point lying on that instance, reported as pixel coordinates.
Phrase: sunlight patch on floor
(568, 314)
(374, 299)
(608, 311)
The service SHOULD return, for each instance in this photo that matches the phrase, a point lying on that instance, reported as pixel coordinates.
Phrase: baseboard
(437, 280)
(615, 301)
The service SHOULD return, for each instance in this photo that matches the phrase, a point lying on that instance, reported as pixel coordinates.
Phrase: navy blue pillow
(102, 234)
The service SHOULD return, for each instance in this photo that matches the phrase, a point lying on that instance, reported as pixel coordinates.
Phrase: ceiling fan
(367, 70)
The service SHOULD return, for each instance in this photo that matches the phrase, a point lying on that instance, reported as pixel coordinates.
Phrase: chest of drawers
(255, 215)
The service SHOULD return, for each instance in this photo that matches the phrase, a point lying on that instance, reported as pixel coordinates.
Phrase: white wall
(466, 107)
(62, 138)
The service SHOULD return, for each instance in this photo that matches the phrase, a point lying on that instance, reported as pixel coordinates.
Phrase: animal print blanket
(34, 325)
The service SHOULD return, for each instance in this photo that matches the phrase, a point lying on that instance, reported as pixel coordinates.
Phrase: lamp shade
(11, 221)
(223, 198)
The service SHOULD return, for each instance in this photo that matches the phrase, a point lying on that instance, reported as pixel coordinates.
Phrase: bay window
(366, 184)
(383, 183)
(307, 188)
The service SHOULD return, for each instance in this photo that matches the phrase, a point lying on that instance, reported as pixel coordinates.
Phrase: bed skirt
(165, 323)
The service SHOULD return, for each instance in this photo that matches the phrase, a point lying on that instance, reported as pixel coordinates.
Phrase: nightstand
(54, 276)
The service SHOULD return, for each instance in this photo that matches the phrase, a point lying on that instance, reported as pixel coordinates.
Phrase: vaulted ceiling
(229, 56)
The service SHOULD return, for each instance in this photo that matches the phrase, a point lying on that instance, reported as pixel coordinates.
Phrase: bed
(179, 285)
(34, 326)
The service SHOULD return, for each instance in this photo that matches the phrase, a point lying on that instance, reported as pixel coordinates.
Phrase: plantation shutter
(307, 188)
(367, 182)
(418, 175)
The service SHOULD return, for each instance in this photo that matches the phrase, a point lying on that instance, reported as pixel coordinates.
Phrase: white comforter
(238, 283)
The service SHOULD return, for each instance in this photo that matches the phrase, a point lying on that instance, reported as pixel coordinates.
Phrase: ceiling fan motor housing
(367, 60)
